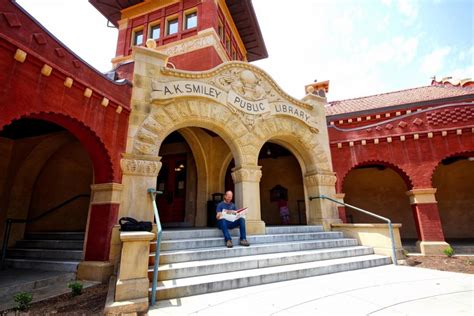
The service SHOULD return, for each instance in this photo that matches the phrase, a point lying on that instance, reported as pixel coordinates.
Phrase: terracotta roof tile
(396, 98)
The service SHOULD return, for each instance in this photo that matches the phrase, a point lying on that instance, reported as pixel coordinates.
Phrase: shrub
(449, 251)
(76, 288)
(23, 300)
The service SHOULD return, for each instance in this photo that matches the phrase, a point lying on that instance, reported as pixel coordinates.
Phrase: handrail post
(389, 222)
(159, 230)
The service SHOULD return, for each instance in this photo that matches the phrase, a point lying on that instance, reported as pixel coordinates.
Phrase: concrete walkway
(386, 290)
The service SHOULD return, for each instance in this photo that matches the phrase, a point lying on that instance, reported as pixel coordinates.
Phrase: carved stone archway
(245, 107)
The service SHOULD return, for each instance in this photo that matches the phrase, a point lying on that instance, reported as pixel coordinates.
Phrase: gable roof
(375, 103)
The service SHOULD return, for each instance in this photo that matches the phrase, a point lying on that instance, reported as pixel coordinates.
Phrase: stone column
(139, 174)
(131, 289)
(428, 223)
(247, 194)
(105, 201)
(340, 208)
(321, 211)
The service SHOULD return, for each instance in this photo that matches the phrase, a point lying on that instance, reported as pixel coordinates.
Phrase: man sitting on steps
(225, 225)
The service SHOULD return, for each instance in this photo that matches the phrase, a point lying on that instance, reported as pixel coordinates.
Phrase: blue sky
(363, 47)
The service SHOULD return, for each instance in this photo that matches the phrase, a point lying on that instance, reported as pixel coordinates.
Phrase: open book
(232, 216)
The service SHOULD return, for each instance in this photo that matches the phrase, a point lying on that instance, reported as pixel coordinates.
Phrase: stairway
(50, 251)
(196, 261)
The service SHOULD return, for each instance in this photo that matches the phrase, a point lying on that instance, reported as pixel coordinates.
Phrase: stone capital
(140, 165)
(247, 174)
(422, 196)
(105, 193)
(324, 179)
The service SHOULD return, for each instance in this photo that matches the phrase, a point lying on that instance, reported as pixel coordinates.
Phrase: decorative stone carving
(248, 174)
(320, 179)
(140, 167)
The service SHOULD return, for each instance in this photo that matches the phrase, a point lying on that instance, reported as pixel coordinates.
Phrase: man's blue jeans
(225, 225)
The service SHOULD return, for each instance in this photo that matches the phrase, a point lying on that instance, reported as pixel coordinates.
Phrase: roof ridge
(392, 92)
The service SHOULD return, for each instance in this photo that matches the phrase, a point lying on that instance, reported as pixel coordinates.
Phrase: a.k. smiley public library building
(185, 113)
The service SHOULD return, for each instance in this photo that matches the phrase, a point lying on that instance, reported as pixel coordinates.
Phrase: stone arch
(165, 119)
(223, 171)
(296, 137)
(202, 170)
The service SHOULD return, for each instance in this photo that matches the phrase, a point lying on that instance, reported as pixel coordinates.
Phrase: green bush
(76, 288)
(23, 301)
(449, 251)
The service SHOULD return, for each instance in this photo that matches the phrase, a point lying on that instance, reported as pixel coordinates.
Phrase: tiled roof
(395, 98)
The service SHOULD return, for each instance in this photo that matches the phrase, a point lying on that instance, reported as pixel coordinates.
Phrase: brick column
(247, 194)
(428, 224)
(340, 208)
(105, 202)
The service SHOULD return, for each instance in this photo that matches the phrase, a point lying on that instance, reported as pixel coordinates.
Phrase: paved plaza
(385, 290)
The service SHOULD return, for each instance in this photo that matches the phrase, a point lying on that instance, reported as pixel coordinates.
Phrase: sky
(363, 47)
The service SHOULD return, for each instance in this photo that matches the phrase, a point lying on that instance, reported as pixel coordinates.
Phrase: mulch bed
(463, 264)
(90, 302)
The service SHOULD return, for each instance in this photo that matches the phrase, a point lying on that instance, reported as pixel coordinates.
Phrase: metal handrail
(10, 221)
(159, 231)
(390, 228)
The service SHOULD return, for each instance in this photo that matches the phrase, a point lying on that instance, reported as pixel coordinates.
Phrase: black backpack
(128, 224)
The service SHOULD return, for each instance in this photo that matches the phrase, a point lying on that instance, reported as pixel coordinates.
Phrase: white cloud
(434, 62)
(408, 8)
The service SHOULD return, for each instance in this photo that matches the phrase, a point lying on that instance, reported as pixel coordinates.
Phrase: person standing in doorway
(225, 225)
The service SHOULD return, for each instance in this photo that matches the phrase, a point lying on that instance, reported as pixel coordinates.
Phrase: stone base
(254, 227)
(99, 271)
(432, 248)
(327, 222)
(133, 289)
(131, 307)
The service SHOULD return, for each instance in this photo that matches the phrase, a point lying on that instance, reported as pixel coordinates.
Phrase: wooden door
(172, 182)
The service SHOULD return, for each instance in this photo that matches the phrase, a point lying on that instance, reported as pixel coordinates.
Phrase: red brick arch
(405, 176)
(100, 156)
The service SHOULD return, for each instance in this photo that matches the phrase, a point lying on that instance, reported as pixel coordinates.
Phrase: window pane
(172, 26)
(138, 38)
(191, 20)
(155, 32)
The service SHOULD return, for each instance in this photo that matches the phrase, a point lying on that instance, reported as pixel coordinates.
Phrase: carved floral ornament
(237, 85)
(247, 174)
(140, 167)
(320, 179)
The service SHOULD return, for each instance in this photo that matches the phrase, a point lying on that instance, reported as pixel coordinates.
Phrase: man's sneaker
(228, 243)
(244, 242)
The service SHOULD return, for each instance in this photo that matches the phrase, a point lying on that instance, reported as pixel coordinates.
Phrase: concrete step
(225, 281)
(50, 244)
(55, 236)
(289, 229)
(45, 254)
(42, 264)
(223, 265)
(174, 234)
(175, 256)
(255, 239)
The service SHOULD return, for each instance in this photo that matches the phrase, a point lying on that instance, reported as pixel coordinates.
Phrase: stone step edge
(223, 247)
(223, 277)
(43, 249)
(248, 237)
(65, 261)
(275, 255)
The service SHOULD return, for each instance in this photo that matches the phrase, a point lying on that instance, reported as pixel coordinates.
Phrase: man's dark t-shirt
(225, 206)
